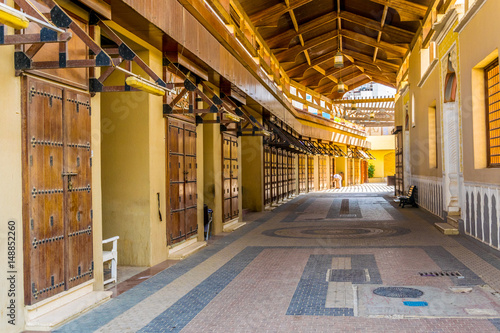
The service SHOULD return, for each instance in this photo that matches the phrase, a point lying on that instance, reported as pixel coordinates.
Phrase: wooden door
(279, 172)
(57, 212)
(322, 172)
(302, 173)
(291, 174)
(267, 176)
(230, 169)
(357, 179)
(310, 173)
(181, 172)
(274, 175)
(332, 172)
(350, 172)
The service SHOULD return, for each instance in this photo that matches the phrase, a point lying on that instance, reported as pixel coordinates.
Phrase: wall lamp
(144, 85)
(232, 117)
(19, 20)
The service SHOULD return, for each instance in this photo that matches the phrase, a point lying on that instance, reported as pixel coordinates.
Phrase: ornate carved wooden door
(230, 176)
(182, 197)
(57, 189)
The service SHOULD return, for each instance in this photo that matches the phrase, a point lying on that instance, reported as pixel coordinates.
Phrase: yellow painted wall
(11, 180)
(478, 40)
(390, 164)
(157, 167)
(252, 171)
(125, 175)
(133, 164)
(420, 99)
(341, 166)
(212, 159)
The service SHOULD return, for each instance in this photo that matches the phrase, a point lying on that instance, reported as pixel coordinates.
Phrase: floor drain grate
(398, 292)
(440, 274)
(344, 207)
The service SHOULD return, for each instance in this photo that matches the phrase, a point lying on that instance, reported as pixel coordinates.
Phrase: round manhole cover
(398, 292)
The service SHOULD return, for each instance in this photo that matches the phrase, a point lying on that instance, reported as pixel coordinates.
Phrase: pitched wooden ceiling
(304, 35)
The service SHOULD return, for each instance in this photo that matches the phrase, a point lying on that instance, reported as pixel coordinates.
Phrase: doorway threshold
(185, 249)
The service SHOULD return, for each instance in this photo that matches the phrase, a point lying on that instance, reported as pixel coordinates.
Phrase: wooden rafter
(408, 11)
(271, 15)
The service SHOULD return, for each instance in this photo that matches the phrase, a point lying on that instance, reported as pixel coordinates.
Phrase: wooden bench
(409, 198)
(113, 256)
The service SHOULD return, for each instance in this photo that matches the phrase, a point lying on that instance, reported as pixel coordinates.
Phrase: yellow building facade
(111, 161)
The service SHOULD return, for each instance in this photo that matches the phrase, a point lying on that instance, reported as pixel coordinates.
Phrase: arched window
(450, 84)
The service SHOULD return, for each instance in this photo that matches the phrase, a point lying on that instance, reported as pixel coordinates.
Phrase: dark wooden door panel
(175, 137)
(230, 175)
(176, 167)
(177, 227)
(176, 196)
(190, 168)
(227, 209)
(191, 222)
(77, 118)
(181, 171)
(58, 212)
(234, 207)
(190, 194)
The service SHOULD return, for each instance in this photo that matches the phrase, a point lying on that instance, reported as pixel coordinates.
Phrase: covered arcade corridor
(286, 130)
(313, 264)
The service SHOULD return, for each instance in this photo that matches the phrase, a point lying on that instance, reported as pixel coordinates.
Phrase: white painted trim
(444, 25)
(428, 72)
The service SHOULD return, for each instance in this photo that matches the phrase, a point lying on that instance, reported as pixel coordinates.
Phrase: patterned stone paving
(364, 188)
(303, 268)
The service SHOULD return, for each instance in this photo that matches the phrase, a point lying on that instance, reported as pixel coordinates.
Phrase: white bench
(111, 255)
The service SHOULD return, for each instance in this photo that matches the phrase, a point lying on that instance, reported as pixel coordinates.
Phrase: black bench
(409, 199)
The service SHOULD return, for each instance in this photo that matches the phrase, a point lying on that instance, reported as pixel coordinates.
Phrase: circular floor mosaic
(398, 292)
(336, 232)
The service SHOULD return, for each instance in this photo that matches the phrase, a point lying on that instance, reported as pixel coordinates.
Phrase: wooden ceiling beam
(368, 59)
(270, 16)
(298, 71)
(291, 54)
(390, 30)
(373, 42)
(407, 10)
(379, 36)
(286, 36)
(313, 80)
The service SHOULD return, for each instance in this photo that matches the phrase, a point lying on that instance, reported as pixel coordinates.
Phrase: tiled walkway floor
(312, 265)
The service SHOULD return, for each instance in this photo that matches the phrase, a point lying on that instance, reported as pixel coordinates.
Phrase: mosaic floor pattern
(312, 265)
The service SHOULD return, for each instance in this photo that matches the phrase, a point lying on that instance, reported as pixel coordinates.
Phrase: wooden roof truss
(304, 35)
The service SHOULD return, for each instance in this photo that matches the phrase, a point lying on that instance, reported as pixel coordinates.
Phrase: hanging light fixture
(338, 59)
(341, 87)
